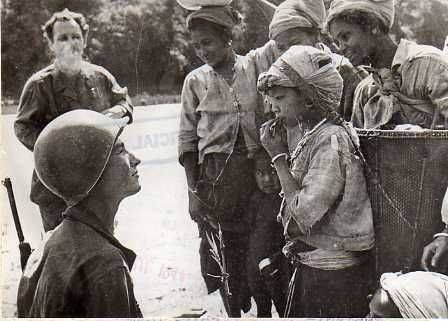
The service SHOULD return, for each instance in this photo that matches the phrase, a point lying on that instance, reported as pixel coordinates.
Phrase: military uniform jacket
(82, 271)
(50, 93)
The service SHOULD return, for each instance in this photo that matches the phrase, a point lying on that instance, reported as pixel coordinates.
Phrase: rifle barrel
(12, 202)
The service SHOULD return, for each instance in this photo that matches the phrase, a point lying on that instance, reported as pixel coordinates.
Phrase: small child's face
(266, 176)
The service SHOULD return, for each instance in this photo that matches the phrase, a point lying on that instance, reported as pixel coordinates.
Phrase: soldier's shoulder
(41, 75)
(84, 242)
(90, 69)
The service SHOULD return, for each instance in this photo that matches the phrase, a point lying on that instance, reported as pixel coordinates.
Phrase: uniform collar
(85, 216)
(63, 83)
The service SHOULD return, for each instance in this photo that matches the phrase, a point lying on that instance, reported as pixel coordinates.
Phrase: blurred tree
(425, 22)
(132, 40)
(255, 26)
(22, 43)
(144, 43)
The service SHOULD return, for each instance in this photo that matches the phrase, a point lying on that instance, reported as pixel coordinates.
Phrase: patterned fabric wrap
(307, 68)
(221, 15)
(383, 9)
(418, 295)
(414, 90)
(297, 14)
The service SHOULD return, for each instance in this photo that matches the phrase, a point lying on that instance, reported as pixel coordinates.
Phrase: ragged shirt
(331, 209)
(50, 93)
(214, 111)
(81, 271)
(265, 236)
(413, 91)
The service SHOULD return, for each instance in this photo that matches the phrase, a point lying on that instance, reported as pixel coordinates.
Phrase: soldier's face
(68, 43)
(120, 176)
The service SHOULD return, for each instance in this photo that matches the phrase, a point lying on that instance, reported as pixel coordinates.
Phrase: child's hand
(435, 255)
(271, 138)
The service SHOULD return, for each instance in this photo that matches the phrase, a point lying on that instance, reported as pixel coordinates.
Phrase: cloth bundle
(419, 294)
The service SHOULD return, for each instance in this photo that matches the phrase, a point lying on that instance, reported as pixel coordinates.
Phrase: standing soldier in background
(67, 84)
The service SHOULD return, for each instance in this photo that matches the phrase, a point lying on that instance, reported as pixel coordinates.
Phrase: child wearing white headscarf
(326, 212)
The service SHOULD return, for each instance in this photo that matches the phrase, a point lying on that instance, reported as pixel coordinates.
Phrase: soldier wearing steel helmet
(82, 270)
(69, 83)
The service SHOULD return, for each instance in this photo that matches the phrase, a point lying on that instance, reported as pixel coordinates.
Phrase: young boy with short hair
(267, 267)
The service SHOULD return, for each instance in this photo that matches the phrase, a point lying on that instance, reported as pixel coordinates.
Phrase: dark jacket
(49, 93)
(266, 234)
(81, 271)
(331, 210)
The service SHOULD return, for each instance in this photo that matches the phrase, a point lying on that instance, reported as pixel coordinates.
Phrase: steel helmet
(73, 150)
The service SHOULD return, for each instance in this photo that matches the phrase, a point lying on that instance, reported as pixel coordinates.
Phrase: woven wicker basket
(407, 179)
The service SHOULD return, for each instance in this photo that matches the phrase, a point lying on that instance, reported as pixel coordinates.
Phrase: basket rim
(382, 133)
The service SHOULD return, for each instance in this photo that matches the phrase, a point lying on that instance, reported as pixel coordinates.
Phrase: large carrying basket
(407, 175)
